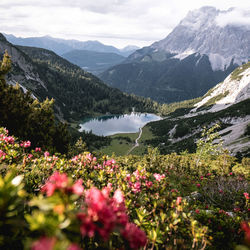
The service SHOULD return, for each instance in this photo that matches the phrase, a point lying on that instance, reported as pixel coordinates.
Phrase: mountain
(93, 62)
(62, 46)
(77, 94)
(195, 56)
(227, 104)
(234, 89)
(128, 50)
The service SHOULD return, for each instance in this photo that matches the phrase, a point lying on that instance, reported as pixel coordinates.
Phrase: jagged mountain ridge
(200, 32)
(197, 40)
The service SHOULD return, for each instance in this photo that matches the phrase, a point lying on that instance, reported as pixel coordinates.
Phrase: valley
(119, 146)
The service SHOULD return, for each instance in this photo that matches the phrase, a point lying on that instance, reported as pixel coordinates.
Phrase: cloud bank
(116, 22)
(235, 17)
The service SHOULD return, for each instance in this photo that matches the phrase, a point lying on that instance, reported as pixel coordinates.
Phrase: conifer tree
(28, 118)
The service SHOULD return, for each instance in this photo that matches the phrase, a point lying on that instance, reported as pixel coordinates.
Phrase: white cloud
(237, 17)
(116, 22)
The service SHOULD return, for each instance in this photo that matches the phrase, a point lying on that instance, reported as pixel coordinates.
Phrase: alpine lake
(116, 124)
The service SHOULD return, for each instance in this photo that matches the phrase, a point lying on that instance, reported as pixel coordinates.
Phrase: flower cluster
(246, 228)
(60, 182)
(25, 144)
(159, 177)
(101, 215)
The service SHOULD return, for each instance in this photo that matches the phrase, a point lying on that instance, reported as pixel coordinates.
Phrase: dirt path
(136, 141)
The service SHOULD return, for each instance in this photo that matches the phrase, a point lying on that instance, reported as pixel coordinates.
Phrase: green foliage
(236, 75)
(80, 94)
(28, 118)
(190, 126)
(158, 190)
(206, 146)
(12, 202)
(215, 99)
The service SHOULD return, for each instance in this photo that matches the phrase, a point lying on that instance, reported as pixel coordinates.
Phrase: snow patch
(238, 90)
(234, 141)
(185, 54)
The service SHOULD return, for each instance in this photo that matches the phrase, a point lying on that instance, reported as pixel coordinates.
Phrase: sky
(113, 22)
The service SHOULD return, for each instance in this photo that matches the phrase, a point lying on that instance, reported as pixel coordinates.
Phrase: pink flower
(208, 174)
(30, 156)
(220, 191)
(9, 139)
(38, 149)
(245, 227)
(77, 188)
(74, 246)
(55, 181)
(118, 196)
(178, 200)
(174, 191)
(100, 216)
(201, 177)
(46, 154)
(197, 211)
(44, 243)
(135, 236)
(230, 173)
(198, 185)
(136, 187)
(149, 184)
(246, 195)
(236, 209)
(127, 177)
(109, 186)
(26, 144)
(2, 154)
(159, 177)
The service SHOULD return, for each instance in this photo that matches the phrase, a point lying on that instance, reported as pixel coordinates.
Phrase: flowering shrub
(87, 202)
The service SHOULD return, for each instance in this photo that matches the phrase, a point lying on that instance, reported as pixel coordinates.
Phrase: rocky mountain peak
(200, 32)
(200, 17)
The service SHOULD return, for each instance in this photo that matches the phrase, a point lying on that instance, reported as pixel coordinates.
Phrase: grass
(120, 144)
(146, 135)
(236, 75)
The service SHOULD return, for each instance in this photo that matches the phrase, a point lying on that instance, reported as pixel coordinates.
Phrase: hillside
(194, 57)
(92, 61)
(77, 93)
(227, 104)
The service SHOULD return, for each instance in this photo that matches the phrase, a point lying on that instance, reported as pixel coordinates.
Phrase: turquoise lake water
(114, 124)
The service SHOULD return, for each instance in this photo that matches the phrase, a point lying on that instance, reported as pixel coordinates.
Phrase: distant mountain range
(62, 46)
(93, 62)
(92, 56)
(77, 93)
(195, 56)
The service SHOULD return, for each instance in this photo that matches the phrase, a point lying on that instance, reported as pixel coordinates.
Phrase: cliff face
(199, 53)
(201, 31)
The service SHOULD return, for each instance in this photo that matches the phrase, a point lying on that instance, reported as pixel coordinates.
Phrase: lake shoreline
(108, 125)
